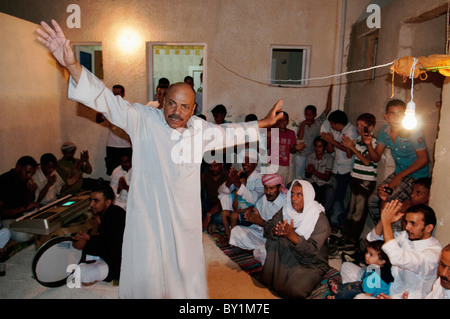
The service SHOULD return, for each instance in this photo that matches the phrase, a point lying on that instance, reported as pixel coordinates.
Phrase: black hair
(27, 160)
(368, 118)
(319, 139)
(120, 87)
(312, 108)
(429, 216)
(395, 102)
(48, 158)
(338, 117)
(424, 181)
(106, 190)
(251, 117)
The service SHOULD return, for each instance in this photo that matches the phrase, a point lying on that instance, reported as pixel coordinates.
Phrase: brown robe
(293, 271)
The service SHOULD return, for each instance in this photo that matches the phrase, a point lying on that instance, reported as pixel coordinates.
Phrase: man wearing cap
(71, 169)
(252, 237)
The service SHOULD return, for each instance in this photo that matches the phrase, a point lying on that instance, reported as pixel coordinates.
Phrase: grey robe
(293, 271)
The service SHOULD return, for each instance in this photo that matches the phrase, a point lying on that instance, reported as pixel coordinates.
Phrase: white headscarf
(305, 221)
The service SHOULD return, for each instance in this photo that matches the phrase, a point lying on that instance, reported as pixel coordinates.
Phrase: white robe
(251, 192)
(122, 197)
(162, 254)
(252, 237)
(414, 264)
(438, 292)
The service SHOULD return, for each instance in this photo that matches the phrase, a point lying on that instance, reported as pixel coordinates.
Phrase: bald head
(179, 104)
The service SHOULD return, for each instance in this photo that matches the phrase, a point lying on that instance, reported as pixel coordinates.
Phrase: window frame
(306, 62)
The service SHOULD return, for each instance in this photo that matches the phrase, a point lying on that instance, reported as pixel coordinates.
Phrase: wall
(237, 34)
(441, 182)
(408, 28)
(29, 95)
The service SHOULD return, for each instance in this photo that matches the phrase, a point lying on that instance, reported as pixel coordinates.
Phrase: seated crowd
(292, 219)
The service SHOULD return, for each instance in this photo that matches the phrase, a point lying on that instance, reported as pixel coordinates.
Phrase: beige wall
(29, 95)
(237, 35)
(441, 181)
(399, 37)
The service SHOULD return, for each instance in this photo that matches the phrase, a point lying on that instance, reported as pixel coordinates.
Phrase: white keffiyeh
(305, 221)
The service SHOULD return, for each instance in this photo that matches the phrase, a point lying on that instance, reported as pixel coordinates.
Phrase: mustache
(175, 117)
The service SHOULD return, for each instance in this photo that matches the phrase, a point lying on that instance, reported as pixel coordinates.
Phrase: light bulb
(410, 122)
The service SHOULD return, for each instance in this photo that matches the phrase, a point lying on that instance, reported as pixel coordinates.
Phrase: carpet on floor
(245, 260)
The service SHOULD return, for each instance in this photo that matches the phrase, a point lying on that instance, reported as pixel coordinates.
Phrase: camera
(366, 129)
(388, 190)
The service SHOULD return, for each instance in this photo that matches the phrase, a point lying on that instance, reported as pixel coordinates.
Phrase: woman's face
(297, 198)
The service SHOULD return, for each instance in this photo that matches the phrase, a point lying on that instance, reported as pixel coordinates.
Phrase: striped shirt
(361, 171)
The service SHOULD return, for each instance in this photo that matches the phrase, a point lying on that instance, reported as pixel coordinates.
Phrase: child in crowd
(372, 281)
(318, 172)
(287, 144)
(420, 195)
(343, 164)
(240, 206)
(364, 175)
(409, 151)
(308, 130)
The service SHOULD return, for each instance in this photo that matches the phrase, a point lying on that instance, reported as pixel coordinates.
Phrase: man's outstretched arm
(56, 42)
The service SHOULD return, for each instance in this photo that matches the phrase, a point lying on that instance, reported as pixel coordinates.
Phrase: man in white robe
(441, 287)
(162, 248)
(252, 237)
(252, 191)
(413, 253)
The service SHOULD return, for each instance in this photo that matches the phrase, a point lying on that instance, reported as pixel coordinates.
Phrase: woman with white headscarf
(297, 237)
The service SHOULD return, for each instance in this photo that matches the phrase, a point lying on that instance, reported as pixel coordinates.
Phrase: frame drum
(52, 259)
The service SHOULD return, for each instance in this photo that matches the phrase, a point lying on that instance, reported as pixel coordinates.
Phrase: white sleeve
(93, 93)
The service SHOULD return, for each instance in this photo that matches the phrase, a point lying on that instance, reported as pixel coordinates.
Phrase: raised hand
(272, 117)
(59, 46)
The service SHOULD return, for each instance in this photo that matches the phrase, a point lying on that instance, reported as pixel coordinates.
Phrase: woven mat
(250, 265)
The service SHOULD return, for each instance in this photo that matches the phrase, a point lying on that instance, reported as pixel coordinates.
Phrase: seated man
(319, 166)
(211, 180)
(49, 182)
(5, 235)
(441, 287)
(252, 237)
(105, 248)
(413, 253)
(250, 192)
(17, 191)
(120, 181)
(71, 168)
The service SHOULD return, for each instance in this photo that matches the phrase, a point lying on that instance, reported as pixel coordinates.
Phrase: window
(371, 57)
(175, 62)
(289, 65)
(90, 56)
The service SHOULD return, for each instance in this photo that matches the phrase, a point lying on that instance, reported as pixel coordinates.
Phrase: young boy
(318, 172)
(287, 145)
(409, 150)
(420, 195)
(308, 130)
(372, 281)
(343, 163)
(240, 206)
(364, 175)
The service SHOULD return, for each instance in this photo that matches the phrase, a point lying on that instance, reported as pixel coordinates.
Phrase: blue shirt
(404, 149)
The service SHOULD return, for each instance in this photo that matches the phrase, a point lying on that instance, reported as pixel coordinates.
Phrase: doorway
(175, 61)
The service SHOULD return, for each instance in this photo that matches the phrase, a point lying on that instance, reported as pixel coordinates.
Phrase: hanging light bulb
(409, 121)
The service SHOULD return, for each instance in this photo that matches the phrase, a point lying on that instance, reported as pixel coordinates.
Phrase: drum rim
(41, 251)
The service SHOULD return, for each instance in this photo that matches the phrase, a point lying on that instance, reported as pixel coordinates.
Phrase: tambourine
(52, 260)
